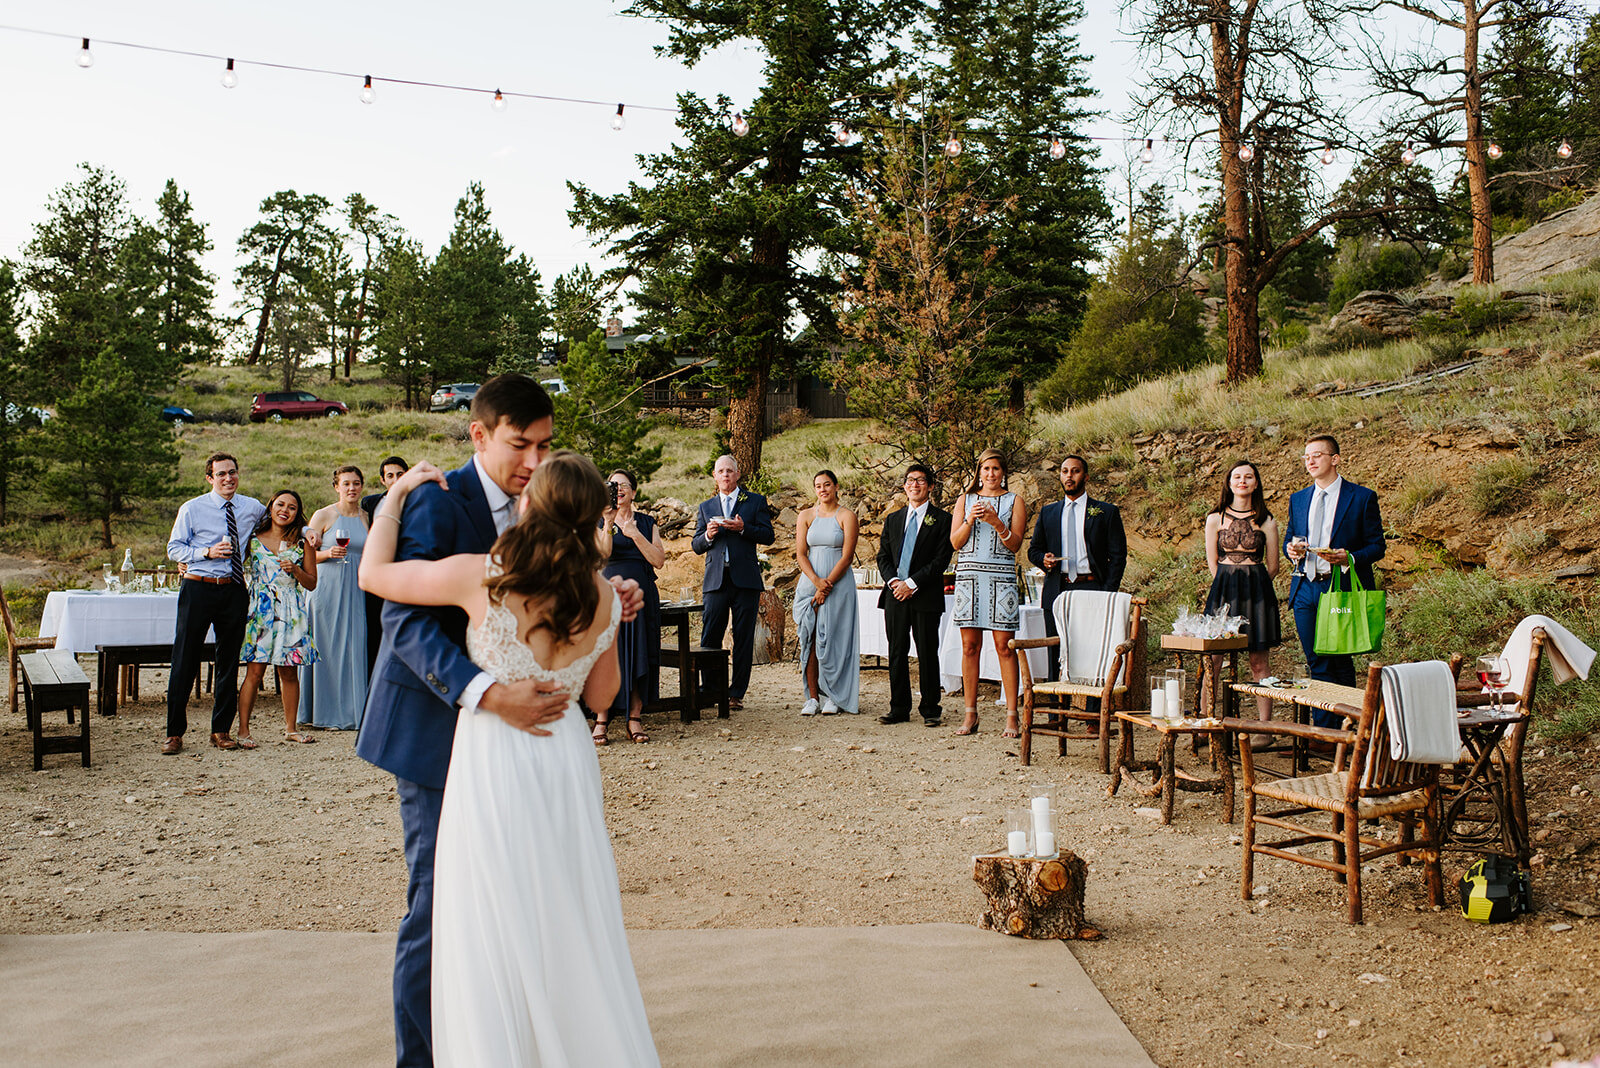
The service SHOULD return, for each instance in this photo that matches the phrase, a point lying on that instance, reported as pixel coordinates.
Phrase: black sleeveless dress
(639, 640)
(1242, 581)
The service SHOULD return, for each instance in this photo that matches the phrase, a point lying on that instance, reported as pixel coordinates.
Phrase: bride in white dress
(530, 959)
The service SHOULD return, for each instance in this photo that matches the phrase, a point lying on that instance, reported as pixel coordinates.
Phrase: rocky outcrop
(1566, 241)
(1388, 314)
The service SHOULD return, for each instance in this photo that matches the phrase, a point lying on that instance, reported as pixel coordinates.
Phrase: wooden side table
(1210, 688)
(1169, 780)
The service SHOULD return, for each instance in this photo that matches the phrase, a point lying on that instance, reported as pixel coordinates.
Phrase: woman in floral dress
(279, 568)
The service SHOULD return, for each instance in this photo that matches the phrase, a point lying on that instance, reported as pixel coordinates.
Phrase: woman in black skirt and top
(631, 542)
(1242, 553)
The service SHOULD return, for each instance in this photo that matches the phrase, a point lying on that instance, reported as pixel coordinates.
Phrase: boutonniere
(927, 520)
(1095, 509)
(743, 496)
(616, 531)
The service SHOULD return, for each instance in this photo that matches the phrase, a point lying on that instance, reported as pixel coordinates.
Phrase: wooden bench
(52, 681)
(693, 663)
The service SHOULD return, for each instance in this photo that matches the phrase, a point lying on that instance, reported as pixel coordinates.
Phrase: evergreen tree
(163, 262)
(575, 303)
(734, 236)
(374, 231)
(18, 426)
(1527, 107)
(401, 309)
(476, 282)
(597, 416)
(279, 250)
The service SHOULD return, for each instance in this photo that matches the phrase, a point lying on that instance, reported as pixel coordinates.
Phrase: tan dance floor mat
(924, 995)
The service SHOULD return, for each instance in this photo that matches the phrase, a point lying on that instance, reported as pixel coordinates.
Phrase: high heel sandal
(599, 732)
(636, 732)
(968, 729)
(1012, 730)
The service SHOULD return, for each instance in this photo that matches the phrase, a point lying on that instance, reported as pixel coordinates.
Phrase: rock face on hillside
(1566, 241)
(1394, 315)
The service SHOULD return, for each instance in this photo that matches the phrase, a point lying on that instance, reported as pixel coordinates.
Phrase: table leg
(1224, 776)
(1169, 741)
(106, 695)
(688, 683)
(1124, 761)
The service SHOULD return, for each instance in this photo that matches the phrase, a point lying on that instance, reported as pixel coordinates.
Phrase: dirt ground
(769, 819)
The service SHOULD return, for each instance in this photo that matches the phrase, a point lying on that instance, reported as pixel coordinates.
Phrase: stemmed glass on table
(1495, 674)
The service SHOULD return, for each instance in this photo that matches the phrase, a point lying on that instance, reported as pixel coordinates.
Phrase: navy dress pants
(1336, 669)
(413, 952)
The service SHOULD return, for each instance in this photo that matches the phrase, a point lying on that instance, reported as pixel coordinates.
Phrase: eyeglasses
(918, 479)
(1317, 455)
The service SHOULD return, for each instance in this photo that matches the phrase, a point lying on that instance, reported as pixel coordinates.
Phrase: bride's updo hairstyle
(550, 555)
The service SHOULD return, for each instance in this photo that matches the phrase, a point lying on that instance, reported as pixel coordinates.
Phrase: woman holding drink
(986, 531)
(280, 566)
(335, 692)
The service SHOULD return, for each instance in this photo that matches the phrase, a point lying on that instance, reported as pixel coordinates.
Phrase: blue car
(177, 415)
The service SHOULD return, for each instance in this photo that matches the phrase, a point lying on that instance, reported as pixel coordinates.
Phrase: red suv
(293, 404)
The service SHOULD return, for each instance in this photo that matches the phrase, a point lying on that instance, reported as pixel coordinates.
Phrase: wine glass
(1300, 564)
(341, 538)
(1495, 674)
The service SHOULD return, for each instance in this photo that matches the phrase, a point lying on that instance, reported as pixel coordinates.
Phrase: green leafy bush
(1481, 311)
(1501, 486)
(1362, 266)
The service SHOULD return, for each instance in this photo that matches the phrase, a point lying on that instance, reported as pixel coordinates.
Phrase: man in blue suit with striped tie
(1340, 520)
(727, 529)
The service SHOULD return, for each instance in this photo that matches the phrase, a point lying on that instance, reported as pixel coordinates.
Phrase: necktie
(727, 513)
(908, 544)
(1314, 533)
(502, 516)
(1071, 514)
(236, 561)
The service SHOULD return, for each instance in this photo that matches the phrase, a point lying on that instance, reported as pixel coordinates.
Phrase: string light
(85, 57)
(1246, 152)
(1494, 151)
(617, 121)
(1565, 151)
(499, 101)
(1058, 149)
(230, 80)
(1148, 152)
(1408, 157)
(952, 146)
(1327, 153)
(367, 93)
(741, 125)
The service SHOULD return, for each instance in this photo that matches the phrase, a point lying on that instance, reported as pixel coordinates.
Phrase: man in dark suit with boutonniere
(1078, 543)
(727, 529)
(912, 555)
(1340, 520)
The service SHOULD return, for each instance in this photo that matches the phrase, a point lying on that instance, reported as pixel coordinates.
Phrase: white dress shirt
(1322, 537)
(913, 520)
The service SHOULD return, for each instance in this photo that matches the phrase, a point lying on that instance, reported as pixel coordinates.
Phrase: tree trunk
(355, 328)
(747, 414)
(1477, 168)
(105, 530)
(269, 297)
(1244, 317)
(1032, 898)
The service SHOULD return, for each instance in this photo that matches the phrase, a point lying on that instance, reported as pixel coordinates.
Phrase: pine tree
(18, 426)
(163, 260)
(278, 251)
(597, 415)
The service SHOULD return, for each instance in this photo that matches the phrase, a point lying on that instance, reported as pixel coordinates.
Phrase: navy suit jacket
(929, 557)
(1357, 527)
(1103, 536)
(742, 565)
(423, 665)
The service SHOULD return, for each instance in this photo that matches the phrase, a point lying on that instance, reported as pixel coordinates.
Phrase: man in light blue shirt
(210, 538)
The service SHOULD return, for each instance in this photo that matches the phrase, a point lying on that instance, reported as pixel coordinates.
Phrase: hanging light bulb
(230, 80)
(367, 93)
(1246, 153)
(1327, 153)
(1565, 151)
(1494, 150)
(1148, 152)
(1408, 157)
(841, 133)
(617, 121)
(499, 101)
(741, 125)
(85, 57)
(1058, 149)
(952, 147)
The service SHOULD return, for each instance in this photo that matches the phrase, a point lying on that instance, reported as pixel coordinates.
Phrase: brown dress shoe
(172, 746)
(224, 741)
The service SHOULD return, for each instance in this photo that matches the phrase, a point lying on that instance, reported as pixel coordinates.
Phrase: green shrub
(1419, 491)
(1362, 266)
(1501, 486)
(1482, 311)
(1561, 200)
(1291, 334)
(398, 432)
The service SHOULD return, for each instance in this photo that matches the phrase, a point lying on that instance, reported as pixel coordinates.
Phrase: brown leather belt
(1078, 581)
(207, 578)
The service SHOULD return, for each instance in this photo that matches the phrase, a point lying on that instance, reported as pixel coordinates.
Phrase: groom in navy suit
(1340, 519)
(1093, 532)
(424, 675)
(727, 529)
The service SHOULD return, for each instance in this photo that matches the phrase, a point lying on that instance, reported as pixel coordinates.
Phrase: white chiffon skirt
(530, 959)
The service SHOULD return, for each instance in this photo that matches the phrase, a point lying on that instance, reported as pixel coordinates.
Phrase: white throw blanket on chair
(1092, 624)
(1569, 657)
(1420, 701)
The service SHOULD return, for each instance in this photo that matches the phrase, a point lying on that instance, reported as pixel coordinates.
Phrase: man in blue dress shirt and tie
(209, 538)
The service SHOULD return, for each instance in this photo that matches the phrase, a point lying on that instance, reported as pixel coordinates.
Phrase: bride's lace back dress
(530, 959)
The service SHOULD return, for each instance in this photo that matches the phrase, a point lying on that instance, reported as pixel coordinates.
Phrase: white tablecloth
(875, 642)
(81, 619)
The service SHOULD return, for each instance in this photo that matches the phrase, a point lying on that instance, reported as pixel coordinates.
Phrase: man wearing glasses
(209, 538)
(912, 555)
(1339, 520)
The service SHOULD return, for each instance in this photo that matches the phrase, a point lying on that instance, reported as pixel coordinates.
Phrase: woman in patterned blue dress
(279, 569)
(986, 531)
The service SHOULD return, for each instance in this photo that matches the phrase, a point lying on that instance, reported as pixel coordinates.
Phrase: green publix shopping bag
(1349, 621)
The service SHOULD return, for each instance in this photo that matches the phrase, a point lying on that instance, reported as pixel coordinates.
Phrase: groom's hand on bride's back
(632, 595)
(526, 705)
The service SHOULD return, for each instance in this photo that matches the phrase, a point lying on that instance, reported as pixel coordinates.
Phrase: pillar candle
(1041, 819)
(1044, 844)
(1017, 843)
(1174, 699)
(1158, 705)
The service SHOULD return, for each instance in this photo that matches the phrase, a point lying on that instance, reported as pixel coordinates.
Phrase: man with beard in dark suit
(1079, 544)
(912, 555)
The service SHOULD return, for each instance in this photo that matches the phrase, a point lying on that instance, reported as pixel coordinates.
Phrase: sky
(148, 116)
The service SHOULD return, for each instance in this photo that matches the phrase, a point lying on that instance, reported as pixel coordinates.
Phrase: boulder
(1387, 313)
(1566, 241)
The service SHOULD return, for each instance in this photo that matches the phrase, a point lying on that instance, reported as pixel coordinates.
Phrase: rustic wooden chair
(18, 646)
(1366, 784)
(1105, 669)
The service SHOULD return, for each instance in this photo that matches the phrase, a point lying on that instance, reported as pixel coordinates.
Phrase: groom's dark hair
(514, 398)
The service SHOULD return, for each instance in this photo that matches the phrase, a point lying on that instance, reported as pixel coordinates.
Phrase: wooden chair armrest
(1292, 730)
(1032, 643)
(1474, 699)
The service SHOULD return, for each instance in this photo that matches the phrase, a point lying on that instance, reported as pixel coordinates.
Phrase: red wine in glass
(340, 538)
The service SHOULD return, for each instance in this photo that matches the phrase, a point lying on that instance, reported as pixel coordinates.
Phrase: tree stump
(1032, 898)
